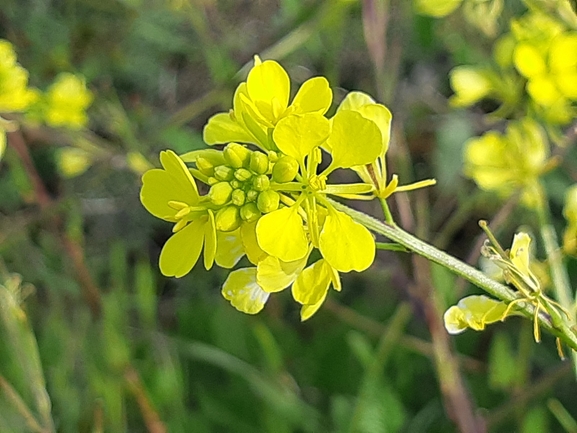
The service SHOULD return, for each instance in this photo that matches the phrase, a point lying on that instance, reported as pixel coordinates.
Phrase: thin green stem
(390, 246)
(478, 278)
(387, 211)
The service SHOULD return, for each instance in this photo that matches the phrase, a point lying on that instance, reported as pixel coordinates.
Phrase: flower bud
(251, 195)
(261, 182)
(272, 156)
(220, 193)
(235, 184)
(238, 197)
(259, 162)
(205, 166)
(242, 174)
(223, 172)
(268, 201)
(227, 219)
(285, 169)
(236, 155)
(249, 212)
(212, 181)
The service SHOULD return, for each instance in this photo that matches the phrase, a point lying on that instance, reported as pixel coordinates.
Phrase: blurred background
(94, 339)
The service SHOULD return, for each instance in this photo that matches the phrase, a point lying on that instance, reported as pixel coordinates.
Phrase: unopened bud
(212, 181)
(220, 193)
(268, 201)
(285, 169)
(261, 182)
(236, 155)
(242, 174)
(238, 197)
(205, 166)
(272, 156)
(227, 219)
(259, 162)
(223, 172)
(249, 212)
(235, 184)
(251, 195)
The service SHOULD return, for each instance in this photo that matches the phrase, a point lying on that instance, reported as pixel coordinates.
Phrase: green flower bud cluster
(240, 183)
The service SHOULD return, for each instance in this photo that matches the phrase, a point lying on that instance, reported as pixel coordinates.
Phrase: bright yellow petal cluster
(510, 162)
(15, 95)
(66, 102)
(262, 101)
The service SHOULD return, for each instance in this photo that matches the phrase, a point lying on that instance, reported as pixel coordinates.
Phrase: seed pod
(260, 182)
(249, 212)
(220, 193)
(236, 155)
(268, 201)
(223, 172)
(285, 169)
(259, 162)
(228, 219)
(242, 174)
(238, 197)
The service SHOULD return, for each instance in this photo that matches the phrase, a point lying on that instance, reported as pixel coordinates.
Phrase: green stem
(476, 277)
(387, 211)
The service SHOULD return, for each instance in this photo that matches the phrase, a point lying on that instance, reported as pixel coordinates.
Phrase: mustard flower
(551, 73)
(510, 162)
(474, 312)
(171, 194)
(15, 95)
(66, 102)
(261, 102)
(375, 173)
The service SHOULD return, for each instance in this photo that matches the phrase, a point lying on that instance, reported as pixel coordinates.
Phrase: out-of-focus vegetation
(94, 339)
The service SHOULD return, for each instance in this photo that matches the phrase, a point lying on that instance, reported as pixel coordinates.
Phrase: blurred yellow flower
(14, 92)
(66, 102)
(510, 162)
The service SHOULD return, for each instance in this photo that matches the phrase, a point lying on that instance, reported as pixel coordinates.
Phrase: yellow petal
(182, 250)
(313, 283)
(563, 53)
(174, 183)
(298, 135)
(72, 161)
(354, 140)
(519, 254)
(268, 86)
(529, 61)
(382, 117)
(469, 84)
(355, 100)
(307, 311)
(281, 234)
(314, 96)
(249, 241)
(543, 90)
(229, 249)
(345, 244)
(274, 275)
(222, 129)
(454, 319)
(567, 83)
(241, 289)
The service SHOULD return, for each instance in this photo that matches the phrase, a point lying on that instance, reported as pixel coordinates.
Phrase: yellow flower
(66, 102)
(375, 172)
(14, 92)
(171, 194)
(262, 101)
(510, 162)
(469, 84)
(473, 312)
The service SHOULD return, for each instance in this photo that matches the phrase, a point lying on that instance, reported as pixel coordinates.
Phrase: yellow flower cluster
(63, 105)
(272, 203)
(510, 162)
